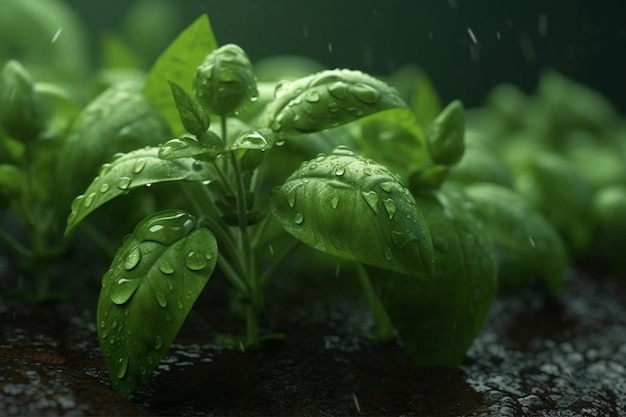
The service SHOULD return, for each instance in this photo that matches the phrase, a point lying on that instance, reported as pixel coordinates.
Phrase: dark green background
(585, 40)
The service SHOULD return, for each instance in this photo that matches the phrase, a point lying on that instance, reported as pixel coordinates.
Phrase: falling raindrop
(195, 261)
(132, 258)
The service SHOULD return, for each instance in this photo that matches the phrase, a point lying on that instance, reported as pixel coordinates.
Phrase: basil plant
(425, 260)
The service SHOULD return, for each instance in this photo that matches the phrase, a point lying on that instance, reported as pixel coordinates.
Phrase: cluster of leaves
(563, 149)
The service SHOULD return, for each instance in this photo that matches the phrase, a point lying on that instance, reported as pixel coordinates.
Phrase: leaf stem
(383, 328)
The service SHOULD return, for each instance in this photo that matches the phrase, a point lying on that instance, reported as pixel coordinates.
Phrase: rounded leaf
(20, 108)
(356, 209)
(153, 281)
(325, 100)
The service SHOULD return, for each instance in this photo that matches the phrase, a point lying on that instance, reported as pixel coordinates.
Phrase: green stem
(383, 328)
(267, 274)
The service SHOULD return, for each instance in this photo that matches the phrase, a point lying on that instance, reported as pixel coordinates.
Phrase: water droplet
(365, 93)
(104, 169)
(104, 187)
(275, 125)
(166, 267)
(339, 171)
(387, 253)
(371, 198)
(387, 186)
(281, 88)
(251, 140)
(312, 167)
(139, 165)
(195, 261)
(291, 198)
(71, 217)
(400, 239)
(170, 285)
(123, 183)
(103, 324)
(89, 200)
(390, 207)
(342, 150)
(320, 158)
(158, 342)
(334, 201)
(312, 96)
(338, 89)
(180, 306)
(124, 289)
(299, 218)
(122, 366)
(160, 297)
(165, 227)
(132, 258)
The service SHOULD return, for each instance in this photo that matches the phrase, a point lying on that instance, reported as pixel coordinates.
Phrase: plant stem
(383, 328)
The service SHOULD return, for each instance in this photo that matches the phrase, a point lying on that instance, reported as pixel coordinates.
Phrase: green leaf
(21, 113)
(529, 248)
(438, 319)
(153, 281)
(608, 208)
(118, 120)
(425, 102)
(186, 147)
(260, 140)
(177, 64)
(325, 100)
(11, 180)
(129, 171)
(192, 115)
(356, 209)
(446, 134)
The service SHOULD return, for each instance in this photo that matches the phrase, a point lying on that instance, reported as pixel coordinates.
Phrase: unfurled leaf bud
(446, 138)
(191, 114)
(225, 80)
(20, 110)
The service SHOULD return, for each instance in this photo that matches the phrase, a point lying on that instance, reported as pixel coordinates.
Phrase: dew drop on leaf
(132, 258)
(158, 342)
(371, 198)
(338, 90)
(281, 88)
(365, 93)
(390, 207)
(334, 201)
(123, 289)
(170, 286)
(122, 366)
(291, 198)
(387, 253)
(195, 261)
(312, 96)
(386, 186)
(339, 171)
(165, 227)
(166, 267)
(342, 150)
(105, 168)
(299, 218)
(123, 183)
(89, 200)
(160, 297)
(139, 165)
(104, 187)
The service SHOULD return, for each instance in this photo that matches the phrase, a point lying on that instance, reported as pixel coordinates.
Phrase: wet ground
(535, 357)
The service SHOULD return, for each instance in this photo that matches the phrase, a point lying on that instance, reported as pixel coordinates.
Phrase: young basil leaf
(118, 120)
(438, 319)
(191, 113)
(446, 135)
(225, 80)
(153, 281)
(185, 52)
(528, 247)
(325, 100)
(425, 102)
(356, 209)
(129, 171)
(20, 109)
(608, 208)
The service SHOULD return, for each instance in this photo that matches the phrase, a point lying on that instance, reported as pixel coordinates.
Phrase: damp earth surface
(535, 356)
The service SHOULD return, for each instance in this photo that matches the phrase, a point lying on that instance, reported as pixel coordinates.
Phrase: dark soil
(535, 357)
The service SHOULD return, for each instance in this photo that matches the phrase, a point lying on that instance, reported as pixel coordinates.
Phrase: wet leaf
(176, 64)
(354, 208)
(21, 113)
(446, 134)
(438, 319)
(325, 100)
(118, 120)
(130, 171)
(11, 180)
(153, 281)
(260, 140)
(205, 149)
(528, 247)
(192, 115)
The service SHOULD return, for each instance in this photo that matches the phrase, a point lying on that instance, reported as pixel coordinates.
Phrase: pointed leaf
(325, 100)
(129, 171)
(529, 248)
(191, 114)
(178, 64)
(353, 208)
(438, 319)
(147, 293)
(446, 134)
